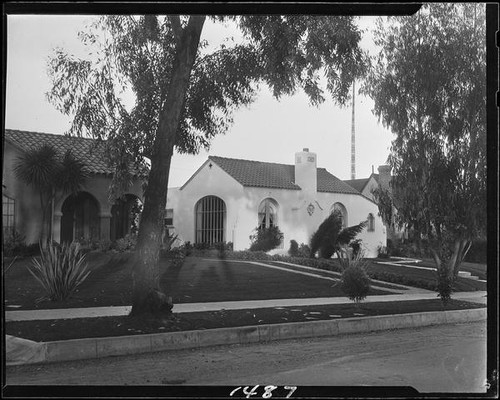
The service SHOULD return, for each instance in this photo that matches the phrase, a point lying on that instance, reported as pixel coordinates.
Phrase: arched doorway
(210, 220)
(80, 218)
(124, 216)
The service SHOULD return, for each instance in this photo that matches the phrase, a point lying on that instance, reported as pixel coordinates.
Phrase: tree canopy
(135, 54)
(185, 93)
(429, 86)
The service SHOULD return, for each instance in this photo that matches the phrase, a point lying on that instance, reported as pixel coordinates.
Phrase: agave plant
(60, 270)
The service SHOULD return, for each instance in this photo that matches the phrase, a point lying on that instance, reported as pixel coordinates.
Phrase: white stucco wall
(242, 205)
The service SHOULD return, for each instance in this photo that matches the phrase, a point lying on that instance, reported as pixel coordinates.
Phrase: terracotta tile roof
(331, 184)
(88, 150)
(278, 176)
(257, 173)
(359, 184)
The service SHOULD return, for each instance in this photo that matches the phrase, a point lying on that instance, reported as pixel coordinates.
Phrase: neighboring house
(227, 199)
(366, 186)
(87, 215)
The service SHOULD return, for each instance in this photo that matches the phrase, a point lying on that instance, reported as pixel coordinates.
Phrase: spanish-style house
(87, 215)
(366, 186)
(226, 199)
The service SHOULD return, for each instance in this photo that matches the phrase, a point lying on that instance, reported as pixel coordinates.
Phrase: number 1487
(249, 391)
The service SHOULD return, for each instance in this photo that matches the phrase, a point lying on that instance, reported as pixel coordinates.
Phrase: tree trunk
(447, 269)
(147, 298)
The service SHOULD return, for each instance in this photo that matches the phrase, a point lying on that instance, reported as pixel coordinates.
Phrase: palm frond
(72, 173)
(347, 234)
(37, 167)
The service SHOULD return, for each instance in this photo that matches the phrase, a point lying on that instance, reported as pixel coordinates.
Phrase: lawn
(478, 270)
(50, 330)
(197, 280)
(425, 275)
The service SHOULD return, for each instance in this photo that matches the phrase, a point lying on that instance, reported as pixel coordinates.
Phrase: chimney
(306, 175)
(384, 176)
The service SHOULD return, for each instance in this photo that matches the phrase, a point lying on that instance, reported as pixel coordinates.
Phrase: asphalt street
(443, 358)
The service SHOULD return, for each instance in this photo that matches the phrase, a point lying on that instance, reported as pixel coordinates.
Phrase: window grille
(210, 220)
(8, 215)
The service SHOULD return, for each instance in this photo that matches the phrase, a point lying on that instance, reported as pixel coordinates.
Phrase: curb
(79, 349)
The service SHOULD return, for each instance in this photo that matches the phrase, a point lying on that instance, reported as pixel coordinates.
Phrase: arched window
(268, 213)
(343, 212)
(371, 223)
(210, 220)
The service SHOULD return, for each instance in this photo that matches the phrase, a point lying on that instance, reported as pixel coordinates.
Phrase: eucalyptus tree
(52, 176)
(185, 91)
(429, 86)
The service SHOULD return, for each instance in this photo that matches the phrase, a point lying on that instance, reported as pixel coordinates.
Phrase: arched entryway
(210, 220)
(80, 218)
(124, 216)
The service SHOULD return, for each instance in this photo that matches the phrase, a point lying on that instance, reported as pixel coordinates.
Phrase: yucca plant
(60, 270)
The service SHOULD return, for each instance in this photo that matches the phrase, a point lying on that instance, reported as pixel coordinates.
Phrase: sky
(268, 130)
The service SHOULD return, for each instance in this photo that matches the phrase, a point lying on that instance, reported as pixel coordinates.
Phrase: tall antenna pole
(353, 140)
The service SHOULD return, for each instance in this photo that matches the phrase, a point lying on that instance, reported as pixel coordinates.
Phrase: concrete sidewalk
(91, 312)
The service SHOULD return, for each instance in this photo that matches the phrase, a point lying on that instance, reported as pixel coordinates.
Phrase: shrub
(95, 244)
(355, 245)
(355, 282)
(265, 239)
(293, 251)
(330, 236)
(382, 252)
(60, 270)
(14, 245)
(304, 251)
(187, 248)
(219, 249)
(174, 256)
(126, 243)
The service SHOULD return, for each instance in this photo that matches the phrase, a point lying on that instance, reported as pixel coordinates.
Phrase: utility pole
(353, 140)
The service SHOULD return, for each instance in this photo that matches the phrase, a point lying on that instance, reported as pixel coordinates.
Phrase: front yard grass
(196, 281)
(200, 280)
(426, 276)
